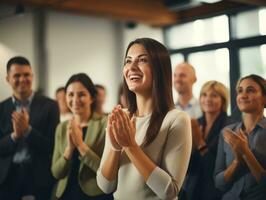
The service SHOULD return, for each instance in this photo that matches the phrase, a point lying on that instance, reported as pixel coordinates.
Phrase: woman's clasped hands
(121, 129)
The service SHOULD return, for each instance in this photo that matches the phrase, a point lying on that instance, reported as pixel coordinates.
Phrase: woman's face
(249, 97)
(211, 102)
(78, 98)
(137, 70)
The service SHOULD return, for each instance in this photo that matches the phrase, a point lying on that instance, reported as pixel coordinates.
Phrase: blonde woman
(199, 184)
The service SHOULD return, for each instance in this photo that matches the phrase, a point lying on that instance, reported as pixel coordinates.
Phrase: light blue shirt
(192, 109)
(22, 154)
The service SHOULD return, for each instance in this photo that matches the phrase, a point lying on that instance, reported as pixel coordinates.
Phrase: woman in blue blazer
(241, 158)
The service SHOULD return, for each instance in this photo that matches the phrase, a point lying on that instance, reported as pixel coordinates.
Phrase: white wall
(92, 45)
(82, 44)
(73, 44)
(16, 38)
(142, 31)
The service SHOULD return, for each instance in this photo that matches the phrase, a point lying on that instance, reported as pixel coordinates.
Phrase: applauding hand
(124, 129)
(238, 142)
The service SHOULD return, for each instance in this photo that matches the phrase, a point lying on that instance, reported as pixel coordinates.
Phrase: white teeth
(135, 76)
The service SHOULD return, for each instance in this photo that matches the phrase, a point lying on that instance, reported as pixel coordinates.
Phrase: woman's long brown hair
(161, 86)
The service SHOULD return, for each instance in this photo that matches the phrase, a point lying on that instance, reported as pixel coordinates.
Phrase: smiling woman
(240, 170)
(199, 184)
(79, 144)
(148, 146)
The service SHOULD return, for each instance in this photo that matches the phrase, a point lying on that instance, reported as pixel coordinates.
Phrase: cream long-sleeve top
(170, 151)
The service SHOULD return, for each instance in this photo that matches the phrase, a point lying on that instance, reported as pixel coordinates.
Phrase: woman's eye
(144, 60)
(239, 91)
(250, 90)
(127, 61)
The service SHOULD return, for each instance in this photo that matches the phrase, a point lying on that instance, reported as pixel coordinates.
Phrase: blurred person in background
(241, 157)
(184, 78)
(65, 113)
(27, 126)
(79, 144)
(100, 99)
(199, 183)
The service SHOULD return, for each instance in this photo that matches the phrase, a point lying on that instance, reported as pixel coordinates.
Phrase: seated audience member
(27, 126)
(148, 147)
(79, 144)
(65, 113)
(100, 99)
(241, 157)
(199, 184)
(184, 79)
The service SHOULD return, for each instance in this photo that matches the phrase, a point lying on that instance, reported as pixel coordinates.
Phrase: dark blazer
(199, 183)
(44, 117)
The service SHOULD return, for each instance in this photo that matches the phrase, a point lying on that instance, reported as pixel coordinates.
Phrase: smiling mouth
(134, 77)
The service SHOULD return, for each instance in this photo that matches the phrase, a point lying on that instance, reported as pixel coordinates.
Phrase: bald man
(184, 78)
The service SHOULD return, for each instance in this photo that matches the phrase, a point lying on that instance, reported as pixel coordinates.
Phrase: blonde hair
(220, 88)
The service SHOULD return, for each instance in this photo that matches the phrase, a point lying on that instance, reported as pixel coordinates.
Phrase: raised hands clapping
(121, 129)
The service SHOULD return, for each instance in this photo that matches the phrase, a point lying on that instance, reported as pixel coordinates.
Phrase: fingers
(228, 138)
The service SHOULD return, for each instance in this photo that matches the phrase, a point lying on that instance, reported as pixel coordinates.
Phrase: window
(219, 51)
(210, 65)
(199, 32)
(255, 19)
(253, 61)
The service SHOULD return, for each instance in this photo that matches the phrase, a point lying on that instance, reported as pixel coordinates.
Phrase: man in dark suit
(27, 127)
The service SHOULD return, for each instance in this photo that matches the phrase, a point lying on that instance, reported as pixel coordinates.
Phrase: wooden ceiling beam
(208, 9)
(151, 12)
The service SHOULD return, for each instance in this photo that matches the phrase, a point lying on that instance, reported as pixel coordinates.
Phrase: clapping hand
(110, 132)
(76, 133)
(237, 141)
(123, 128)
(197, 135)
(20, 122)
(70, 143)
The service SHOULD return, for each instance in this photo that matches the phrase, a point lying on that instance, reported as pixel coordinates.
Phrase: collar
(261, 123)
(191, 102)
(27, 102)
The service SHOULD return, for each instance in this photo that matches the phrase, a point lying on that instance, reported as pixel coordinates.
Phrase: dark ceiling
(152, 12)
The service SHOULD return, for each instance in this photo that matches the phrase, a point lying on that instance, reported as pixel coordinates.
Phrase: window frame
(233, 45)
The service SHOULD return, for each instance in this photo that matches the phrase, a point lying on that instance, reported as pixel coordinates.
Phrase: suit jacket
(44, 117)
(199, 183)
(89, 163)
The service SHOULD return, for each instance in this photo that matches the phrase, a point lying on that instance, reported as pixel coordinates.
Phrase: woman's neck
(83, 119)
(251, 119)
(144, 105)
(211, 117)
